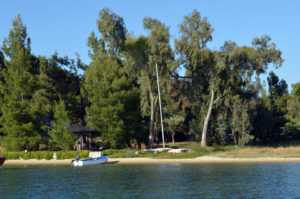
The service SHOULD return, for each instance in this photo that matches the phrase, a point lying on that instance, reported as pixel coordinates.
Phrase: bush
(111, 151)
(29, 155)
(48, 155)
(61, 155)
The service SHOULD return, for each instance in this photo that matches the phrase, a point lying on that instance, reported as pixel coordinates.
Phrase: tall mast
(160, 108)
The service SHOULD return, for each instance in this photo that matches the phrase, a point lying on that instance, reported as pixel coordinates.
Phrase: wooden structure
(84, 134)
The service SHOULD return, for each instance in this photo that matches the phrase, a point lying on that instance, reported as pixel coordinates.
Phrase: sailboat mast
(160, 108)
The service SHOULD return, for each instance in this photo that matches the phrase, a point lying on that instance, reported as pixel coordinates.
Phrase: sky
(63, 26)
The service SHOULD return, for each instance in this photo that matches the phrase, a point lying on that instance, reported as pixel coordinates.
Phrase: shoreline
(198, 160)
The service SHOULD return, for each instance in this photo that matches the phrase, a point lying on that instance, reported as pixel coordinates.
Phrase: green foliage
(220, 95)
(143, 54)
(293, 106)
(39, 155)
(62, 155)
(276, 88)
(20, 125)
(196, 151)
(61, 136)
(59, 79)
(175, 107)
(218, 77)
(263, 121)
(113, 34)
(114, 96)
(47, 155)
(240, 122)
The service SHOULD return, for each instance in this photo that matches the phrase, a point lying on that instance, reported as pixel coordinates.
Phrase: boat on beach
(174, 151)
(2, 159)
(90, 161)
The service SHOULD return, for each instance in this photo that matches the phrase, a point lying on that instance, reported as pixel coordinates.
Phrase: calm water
(259, 180)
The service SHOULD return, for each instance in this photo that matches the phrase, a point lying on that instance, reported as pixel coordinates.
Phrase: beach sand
(37, 162)
(199, 160)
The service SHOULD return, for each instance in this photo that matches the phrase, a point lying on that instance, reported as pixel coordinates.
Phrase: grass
(262, 152)
(196, 151)
(215, 151)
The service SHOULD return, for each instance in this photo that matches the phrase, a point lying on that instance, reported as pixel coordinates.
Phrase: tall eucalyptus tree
(143, 54)
(216, 75)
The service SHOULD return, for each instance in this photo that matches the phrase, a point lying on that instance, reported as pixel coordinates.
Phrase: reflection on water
(259, 180)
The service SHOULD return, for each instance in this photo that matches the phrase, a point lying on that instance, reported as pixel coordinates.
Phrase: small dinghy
(90, 161)
(2, 159)
(174, 151)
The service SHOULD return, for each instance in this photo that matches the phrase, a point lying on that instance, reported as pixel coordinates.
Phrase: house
(85, 136)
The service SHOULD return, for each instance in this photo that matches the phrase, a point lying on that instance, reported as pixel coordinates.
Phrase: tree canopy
(220, 98)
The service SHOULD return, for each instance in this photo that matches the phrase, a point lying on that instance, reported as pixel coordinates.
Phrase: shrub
(48, 155)
(61, 155)
(29, 155)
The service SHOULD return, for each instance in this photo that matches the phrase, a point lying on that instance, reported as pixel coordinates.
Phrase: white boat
(91, 161)
(173, 151)
(157, 150)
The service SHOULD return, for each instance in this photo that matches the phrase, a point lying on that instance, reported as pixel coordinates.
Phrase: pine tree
(113, 96)
(61, 136)
(19, 125)
(58, 78)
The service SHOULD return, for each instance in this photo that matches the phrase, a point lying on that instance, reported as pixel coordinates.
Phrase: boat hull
(174, 151)
(2, 159)
(91, 161)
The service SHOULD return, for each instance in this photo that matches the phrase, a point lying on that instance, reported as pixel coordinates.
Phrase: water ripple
(260, 180)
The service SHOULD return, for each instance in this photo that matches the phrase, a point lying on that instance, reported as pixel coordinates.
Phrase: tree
(61, 136)
(59, 78)
(113, 96)
(196, 59)
(174, 107)
(231, 79)
(220, 74)
(143, 54)
(277, 88)
(292, 127)
(294, 105)
(278, 96)
(113, 35)
(20, 126)
(2, 66)
(262, 119)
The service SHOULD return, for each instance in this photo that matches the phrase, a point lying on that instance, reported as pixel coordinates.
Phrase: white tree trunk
(173, 137)
(206, 120)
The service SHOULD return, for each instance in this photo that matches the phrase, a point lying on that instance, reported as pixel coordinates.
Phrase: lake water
(253, 180)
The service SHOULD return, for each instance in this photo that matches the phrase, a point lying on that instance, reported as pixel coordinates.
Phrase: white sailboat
(160, 108)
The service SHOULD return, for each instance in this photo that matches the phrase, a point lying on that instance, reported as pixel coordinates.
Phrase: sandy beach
(199, 160)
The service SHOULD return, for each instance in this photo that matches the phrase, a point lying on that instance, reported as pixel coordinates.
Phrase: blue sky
(64, 25)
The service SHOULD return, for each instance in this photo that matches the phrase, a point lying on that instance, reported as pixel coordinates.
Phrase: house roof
(76, 128)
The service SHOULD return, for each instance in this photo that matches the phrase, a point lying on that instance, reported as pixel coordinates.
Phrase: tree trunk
(139, 144)
(206, 120)
(152, 119)
(82, 109)
(173, 137)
